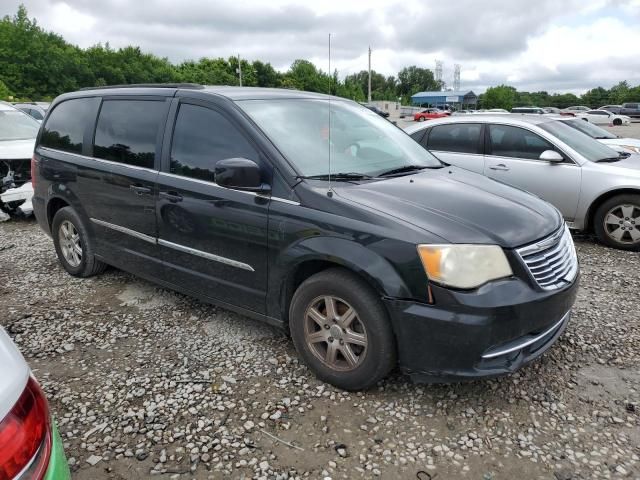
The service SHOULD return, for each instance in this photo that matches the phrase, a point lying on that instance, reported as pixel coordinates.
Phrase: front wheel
(617, 121)
(617, 222)
(421, 119)
(340, 328)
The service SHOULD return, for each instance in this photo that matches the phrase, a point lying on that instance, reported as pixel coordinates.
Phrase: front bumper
(491, 331)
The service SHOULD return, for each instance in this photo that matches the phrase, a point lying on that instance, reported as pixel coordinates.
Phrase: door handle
(171, 196)
(500, 166)
(139, 189)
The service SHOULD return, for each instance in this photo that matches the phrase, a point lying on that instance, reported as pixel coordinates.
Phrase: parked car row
(631, 109)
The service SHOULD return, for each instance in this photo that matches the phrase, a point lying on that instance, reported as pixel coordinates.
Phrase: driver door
(512, 157)
(213, 239)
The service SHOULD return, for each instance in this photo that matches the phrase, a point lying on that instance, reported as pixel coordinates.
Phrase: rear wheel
(617, 222)
(340, 329)
(73, 245)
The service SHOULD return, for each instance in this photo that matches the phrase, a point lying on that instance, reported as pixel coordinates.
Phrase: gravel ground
(145, 381)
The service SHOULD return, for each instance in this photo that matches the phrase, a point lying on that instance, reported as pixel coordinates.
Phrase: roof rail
(193, 86)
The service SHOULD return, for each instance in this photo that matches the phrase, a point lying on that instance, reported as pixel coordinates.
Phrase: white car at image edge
(624, 145)
(30, 445)
(603, 117)
(18, 133)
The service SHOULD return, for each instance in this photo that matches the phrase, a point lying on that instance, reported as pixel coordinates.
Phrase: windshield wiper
(338, 176)
(621, 156)
(405, 169)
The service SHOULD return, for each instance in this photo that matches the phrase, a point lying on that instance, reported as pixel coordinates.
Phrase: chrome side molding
(175, 246)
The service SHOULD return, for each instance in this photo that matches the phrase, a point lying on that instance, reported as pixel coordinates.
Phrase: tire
(617, 121)
(621, 208)
(373, 353)
(70, 235)
(421, 119)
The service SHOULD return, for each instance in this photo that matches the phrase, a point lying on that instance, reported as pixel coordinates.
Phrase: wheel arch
(53, 205)
(593, 208)
(373, 269)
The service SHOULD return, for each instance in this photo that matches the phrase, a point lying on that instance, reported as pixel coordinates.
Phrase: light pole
(239, 70)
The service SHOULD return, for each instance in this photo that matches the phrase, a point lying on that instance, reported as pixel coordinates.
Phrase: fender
(364, 261)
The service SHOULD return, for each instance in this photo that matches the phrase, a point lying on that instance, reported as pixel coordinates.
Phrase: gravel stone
(144, 381)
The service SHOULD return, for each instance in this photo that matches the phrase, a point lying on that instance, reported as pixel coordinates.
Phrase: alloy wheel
(334, 333)
(622, 223)
(70, 245)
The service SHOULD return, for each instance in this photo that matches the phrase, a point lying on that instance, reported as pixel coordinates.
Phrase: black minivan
(311, 213)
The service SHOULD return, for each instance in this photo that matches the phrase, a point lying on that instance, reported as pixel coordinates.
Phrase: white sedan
(604, 117)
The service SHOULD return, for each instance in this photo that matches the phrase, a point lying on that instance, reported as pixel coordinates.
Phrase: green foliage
(39, 65)
(501, 96)
(4, 91)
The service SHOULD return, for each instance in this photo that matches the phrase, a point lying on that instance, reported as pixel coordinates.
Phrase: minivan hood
(17, 149)
(460, 206)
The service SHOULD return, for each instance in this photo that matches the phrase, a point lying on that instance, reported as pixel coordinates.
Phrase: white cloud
(555, 45)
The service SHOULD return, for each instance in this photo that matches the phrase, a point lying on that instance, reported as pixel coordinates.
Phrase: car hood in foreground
(14, 373)
(459, 206)
(17, 149)
(632, 162)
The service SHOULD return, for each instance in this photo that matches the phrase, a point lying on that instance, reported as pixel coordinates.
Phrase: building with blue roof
(459, 99)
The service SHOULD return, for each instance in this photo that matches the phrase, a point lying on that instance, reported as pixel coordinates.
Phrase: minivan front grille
(552, 262)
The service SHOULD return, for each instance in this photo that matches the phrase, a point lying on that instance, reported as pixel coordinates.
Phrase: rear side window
(202, 137)
(35, 114)
(127, 131)
(65, 126)
(457, 137)
(417, 136)
(508, 141)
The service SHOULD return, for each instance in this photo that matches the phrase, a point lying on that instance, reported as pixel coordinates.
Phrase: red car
(429, 113)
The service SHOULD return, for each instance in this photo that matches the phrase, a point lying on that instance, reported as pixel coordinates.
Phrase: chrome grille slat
(552, 262)
(548, 266)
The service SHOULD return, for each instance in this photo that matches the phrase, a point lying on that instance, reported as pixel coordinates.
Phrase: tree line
(504, 96)
(39, 65)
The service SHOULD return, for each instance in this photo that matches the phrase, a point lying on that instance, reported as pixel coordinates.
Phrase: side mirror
(551, 156)
(240, 174)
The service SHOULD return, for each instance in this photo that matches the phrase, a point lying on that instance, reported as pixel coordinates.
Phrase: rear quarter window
(64, 129)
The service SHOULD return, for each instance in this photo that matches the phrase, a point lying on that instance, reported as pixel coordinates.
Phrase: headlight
(464, 266)
(632, 148)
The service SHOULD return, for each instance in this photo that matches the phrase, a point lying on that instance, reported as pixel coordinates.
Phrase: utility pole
(239, 70)
(369, 94)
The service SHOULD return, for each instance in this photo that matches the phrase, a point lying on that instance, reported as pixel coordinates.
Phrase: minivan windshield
(15, 125)
(589, 128)
(360, 142)
(591, 149)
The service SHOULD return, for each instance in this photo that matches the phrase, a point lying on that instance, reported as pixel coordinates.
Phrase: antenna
(456, 77)
(438, 72)
(369, 81)
(329, 193)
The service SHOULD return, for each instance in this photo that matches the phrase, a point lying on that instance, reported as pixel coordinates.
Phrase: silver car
(596, 188)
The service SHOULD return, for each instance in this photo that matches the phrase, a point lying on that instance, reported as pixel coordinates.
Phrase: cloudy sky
(553, 45)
